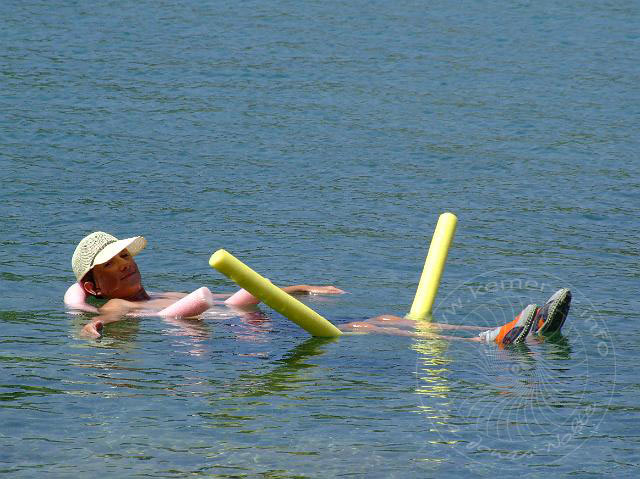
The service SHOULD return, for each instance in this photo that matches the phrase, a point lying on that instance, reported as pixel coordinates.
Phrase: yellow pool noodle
(271, 295)
(433, 267)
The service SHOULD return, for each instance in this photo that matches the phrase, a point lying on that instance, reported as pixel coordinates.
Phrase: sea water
(319, 142)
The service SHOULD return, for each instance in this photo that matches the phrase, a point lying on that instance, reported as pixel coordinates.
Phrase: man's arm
(116, 309)
(244, 298)
(112, 311)
(309, 289)
(93, 329)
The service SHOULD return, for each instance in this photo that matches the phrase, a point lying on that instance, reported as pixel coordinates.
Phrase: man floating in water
(104, 268)
(533, 321)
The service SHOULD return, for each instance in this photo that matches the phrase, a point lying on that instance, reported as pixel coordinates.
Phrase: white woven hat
(100, 247)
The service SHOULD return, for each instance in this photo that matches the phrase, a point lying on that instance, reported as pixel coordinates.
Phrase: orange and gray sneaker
(513, 332)
(550, 318)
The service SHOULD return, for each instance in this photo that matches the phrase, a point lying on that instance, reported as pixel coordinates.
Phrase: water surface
(319, 142)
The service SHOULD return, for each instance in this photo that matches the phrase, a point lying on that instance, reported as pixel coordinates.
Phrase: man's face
(119, 277)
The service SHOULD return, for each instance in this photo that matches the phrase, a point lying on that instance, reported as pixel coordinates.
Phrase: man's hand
(324, 290)
(93, 329)
(309, 289)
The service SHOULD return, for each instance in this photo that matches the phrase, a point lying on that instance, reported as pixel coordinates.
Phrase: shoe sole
(524, 329)
(557, 311)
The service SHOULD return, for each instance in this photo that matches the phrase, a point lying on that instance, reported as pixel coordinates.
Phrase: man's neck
(139, 296)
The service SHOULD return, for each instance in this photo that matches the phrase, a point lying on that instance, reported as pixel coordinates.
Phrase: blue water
(319, 142)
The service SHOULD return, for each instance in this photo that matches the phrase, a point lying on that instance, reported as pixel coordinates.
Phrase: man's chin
(138, 294)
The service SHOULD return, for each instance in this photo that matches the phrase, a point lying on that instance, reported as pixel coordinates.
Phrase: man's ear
(90, 288)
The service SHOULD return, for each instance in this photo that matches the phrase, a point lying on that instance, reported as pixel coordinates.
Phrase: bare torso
(156, 302)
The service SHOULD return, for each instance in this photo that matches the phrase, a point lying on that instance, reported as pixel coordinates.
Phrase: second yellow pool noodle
(433, 266)
(270, 294)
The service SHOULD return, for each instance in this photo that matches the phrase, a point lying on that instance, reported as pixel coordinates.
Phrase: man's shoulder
(117, 305)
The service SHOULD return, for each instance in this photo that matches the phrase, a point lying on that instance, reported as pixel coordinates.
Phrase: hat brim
(134, 245)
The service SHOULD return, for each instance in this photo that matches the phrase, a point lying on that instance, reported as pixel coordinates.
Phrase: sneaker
(550, 318)
(513, 332)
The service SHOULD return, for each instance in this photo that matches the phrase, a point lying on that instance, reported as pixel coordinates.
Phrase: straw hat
(100, 247)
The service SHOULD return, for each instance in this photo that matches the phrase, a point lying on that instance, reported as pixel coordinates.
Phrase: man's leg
(396, 321)
(387, 328)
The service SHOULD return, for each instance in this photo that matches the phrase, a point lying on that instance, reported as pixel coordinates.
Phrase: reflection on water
(189, 335)
(432, 363)
(152, 375)
(248, 325)
(291, 372)
(432, 368)
(484, 399)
